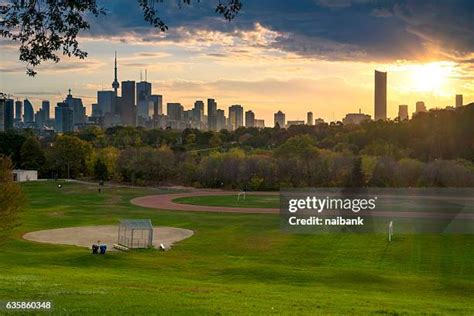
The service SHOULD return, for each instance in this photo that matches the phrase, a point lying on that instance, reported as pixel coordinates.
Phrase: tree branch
(46, 28)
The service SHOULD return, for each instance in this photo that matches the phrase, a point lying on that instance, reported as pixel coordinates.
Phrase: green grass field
(251, 201)
(234, 264)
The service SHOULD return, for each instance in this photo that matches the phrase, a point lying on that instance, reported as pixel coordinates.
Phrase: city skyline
(262, 65)
(136, 105)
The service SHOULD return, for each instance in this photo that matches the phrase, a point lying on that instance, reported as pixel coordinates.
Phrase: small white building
(25, 175)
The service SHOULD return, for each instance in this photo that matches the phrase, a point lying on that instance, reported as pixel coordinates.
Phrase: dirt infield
(87, 235)
(165, 202)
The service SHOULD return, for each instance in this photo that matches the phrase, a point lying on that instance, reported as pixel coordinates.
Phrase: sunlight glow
(432, 77)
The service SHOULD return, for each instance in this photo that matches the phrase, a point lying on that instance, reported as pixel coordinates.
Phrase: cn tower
(115, 84)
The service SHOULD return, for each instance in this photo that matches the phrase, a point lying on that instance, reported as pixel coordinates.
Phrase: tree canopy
(387, 154)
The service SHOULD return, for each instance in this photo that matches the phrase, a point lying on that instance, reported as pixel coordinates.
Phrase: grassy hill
(234, 264)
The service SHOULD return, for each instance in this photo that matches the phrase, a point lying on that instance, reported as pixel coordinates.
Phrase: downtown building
(7, 110)
(63, 118)
(355, 118)
(294, 123)
(259, 123)
(198, 117)
(42, 116)
(459, 100)
(380, 96)
(212, 115)
(2, 114)
(18, 114)
(28, 114)
(126, 104)
(249, 119)
(221, 121)
(279, 119)
(420, 107)
(403, 112)
(175, 113)
(69, 115)
(309, 118)
(236, 116)
(144, 106)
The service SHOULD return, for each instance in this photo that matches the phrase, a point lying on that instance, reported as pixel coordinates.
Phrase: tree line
(433, 149)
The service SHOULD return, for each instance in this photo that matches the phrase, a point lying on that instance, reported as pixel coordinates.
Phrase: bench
(120, 247)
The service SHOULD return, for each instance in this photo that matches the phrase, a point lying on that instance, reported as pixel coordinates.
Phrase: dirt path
(165, 202)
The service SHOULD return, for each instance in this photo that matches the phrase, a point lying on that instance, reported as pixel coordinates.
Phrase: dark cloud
(219, 55)
(150, 54)
(381, 13)
(37, 93)
(376, 30)
(340, 3)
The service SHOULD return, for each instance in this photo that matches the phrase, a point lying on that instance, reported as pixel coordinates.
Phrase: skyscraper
(403, 112)
(198, 114)
(174, 111)
(78, 109)
(63, 118)
(249, 119)
(157, 102)
(18, 111)
(45, 107)
(211, 114)
(40, 119)
(220, 120)
(380, 96)
(279, 119)
(459, 101)
(96, 112)
(309, 118)
(236, 116)
(127, 103)
(144, 106)
(28, 112)
(420, 107)
(2, 114)
(9, 112)
(199, 110)
(105, 102)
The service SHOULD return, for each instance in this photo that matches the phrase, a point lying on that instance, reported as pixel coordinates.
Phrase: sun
(432, 77)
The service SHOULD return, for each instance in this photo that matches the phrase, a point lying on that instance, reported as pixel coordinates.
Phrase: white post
(240, 193)
(390, 231)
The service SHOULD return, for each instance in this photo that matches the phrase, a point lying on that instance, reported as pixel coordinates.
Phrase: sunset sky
(294, 56)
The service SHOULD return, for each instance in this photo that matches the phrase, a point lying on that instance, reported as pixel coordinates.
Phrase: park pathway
(165, 202)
